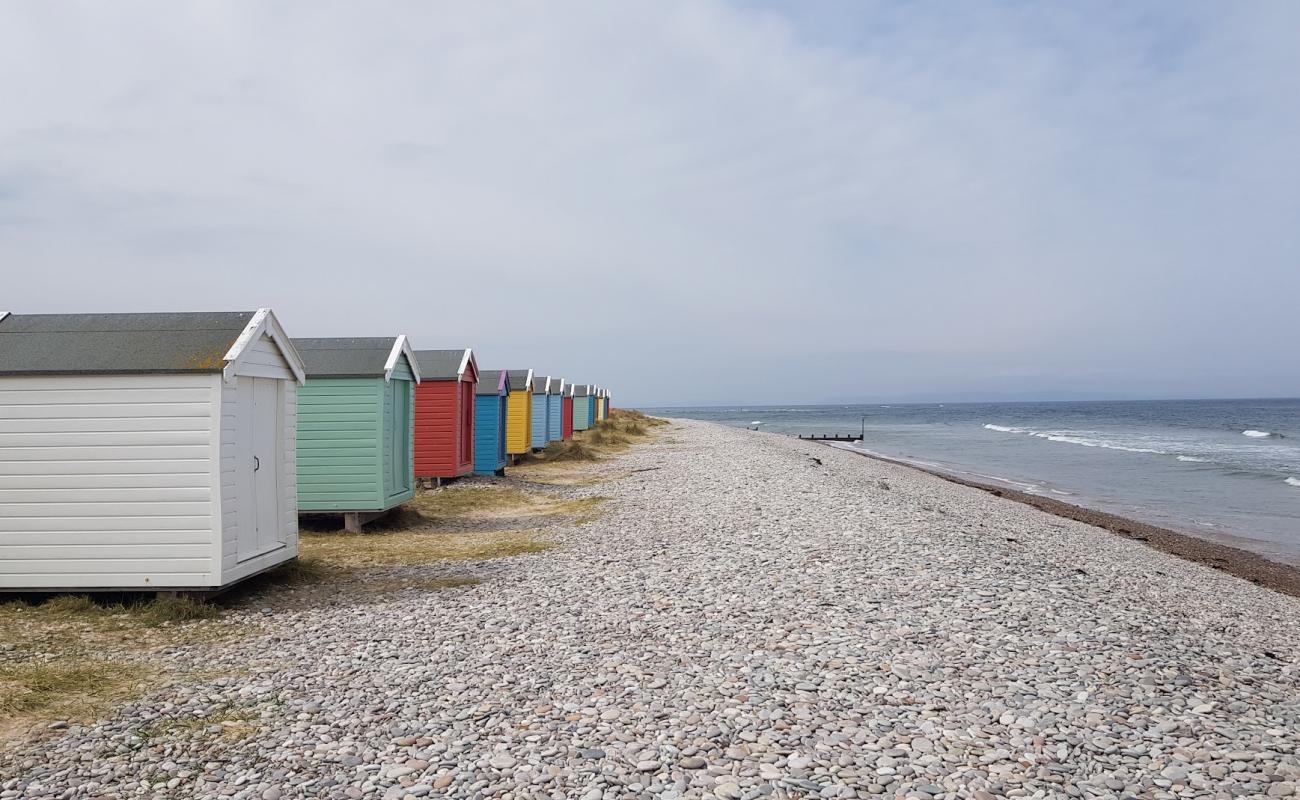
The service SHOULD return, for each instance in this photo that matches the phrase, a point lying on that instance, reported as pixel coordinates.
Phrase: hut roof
(443, 365)
(356, 357)
(492, 381)
(521, 379)
(558, 386)
(581, 390)
(160, 342)
(542, 384)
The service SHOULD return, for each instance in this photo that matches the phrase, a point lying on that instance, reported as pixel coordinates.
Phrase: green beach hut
(356, 424)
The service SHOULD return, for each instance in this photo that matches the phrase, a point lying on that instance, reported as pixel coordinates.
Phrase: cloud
(686, 201)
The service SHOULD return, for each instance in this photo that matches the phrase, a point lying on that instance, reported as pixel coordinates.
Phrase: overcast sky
(688, 202)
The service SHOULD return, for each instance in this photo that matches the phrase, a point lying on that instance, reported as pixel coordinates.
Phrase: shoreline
(1249, 566)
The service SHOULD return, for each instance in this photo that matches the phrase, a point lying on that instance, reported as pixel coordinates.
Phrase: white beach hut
(146, 451)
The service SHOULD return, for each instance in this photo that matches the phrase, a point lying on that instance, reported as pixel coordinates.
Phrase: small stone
(728, 791)
(443, 781)
(502, 761)
(271, 794)
(1281, 789)
(692, 762)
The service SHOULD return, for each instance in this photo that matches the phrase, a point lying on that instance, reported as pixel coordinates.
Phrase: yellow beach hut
(519, 412)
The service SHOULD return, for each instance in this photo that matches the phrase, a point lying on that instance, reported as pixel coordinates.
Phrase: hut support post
(353, 520)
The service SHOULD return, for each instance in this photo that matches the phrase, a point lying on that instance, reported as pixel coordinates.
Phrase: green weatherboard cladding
(355, 445)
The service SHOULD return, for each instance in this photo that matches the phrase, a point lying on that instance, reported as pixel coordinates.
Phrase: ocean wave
(1293, 481)
(1257, 434)
(1069, 438)
(1194, 458)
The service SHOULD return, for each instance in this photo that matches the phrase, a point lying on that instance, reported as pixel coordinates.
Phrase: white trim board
(401, 347)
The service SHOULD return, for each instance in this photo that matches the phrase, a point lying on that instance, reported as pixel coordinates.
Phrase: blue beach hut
(541, 411)
(555, 411)
(490, 398)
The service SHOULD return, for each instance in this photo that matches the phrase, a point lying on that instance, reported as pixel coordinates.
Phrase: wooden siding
(262, 359)
(441, 429)
(519, 422)
(339, 447)
(582, 407)
(566, 418)
(541, 420)
(489, 434)
(108, 481)
(554, 426)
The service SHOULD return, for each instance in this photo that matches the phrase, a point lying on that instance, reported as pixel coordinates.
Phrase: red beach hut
(444, 413)
(566, 418)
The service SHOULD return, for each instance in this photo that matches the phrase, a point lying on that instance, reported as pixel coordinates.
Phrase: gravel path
(755, 617)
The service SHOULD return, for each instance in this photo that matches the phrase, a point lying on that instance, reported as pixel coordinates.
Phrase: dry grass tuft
(39, 691)
(480, 504)
(72, 656)
(232, 724)
(347, 551)
(387, 585)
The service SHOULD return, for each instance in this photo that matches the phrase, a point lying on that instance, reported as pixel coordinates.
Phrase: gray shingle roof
(489, 381)
(556, 384)
(581, 391)
(70, 344)
(349, 357)
(440, 365)
(518, 379)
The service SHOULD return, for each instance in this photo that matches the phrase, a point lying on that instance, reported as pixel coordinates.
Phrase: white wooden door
(259, 479)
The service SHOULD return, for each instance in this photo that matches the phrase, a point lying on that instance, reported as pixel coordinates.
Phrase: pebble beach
(751, 616)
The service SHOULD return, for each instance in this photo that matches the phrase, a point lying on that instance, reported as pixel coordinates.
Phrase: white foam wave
(1194, 458)
(1256, 434)
(1293, 481)
(1068, 438)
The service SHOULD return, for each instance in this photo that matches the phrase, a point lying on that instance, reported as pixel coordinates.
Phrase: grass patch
(477, 504)
(344, 551)
(72, 656)
(66, 688)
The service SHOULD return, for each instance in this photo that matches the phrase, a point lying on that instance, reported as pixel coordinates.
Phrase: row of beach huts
(175, 451)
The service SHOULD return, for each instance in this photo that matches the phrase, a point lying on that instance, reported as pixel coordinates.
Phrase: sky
(686, 201)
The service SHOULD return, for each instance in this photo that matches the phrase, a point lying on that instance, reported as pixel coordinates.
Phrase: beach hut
(146, 451)
(566, 413)
(541, 411)
(600, 404)
(490, 422)
(582, 407)
(444, 413)
(519, 412)
(555, 411)
(356, 423)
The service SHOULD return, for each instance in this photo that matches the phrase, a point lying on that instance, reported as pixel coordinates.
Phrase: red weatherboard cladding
(566, 418)
(444, 429)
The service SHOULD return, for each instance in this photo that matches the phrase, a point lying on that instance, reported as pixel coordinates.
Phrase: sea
(1226, 470)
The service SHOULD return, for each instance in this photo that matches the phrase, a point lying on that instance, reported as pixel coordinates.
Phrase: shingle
(70, 344)
(355, 357)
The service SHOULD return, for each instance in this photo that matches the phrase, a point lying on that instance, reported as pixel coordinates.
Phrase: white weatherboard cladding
(134, 481)
(107, 481)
